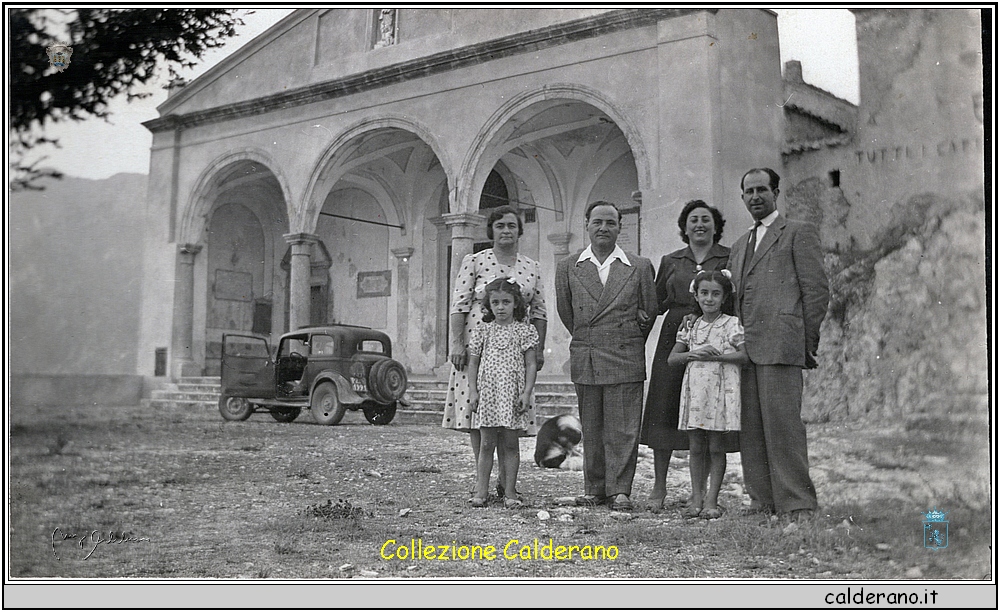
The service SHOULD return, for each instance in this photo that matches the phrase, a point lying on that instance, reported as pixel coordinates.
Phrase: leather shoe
(621, 502)
(591, 500)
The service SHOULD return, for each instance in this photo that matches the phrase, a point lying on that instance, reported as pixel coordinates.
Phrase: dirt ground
(103, 492)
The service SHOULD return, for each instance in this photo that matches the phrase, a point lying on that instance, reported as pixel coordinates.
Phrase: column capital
(189, 248)
(463, 224)
(301, 238)
(403, 254)
(561, 241)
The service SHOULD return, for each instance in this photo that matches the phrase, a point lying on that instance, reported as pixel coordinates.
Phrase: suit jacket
(609, 333)
(783, 297)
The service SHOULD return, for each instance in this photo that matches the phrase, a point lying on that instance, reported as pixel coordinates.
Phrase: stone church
(336, 168)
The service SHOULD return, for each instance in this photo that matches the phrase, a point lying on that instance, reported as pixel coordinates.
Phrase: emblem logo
(935, 529)
(59, 56)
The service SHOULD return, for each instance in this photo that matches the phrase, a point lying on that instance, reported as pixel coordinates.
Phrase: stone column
(183, 316)
(561, 243)
(402, 300)
(463, 228)
(300, 271)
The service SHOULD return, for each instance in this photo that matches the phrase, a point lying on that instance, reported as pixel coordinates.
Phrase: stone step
(161, 394)
(197, 388)
(200, 380)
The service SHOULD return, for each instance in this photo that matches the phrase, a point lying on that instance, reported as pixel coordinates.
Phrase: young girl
(502, 370)
(712, 348)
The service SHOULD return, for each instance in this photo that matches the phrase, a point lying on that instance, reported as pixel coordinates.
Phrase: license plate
(358, 385)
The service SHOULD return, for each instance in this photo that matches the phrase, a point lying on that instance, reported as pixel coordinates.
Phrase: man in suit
(781, 297)
(606, 298)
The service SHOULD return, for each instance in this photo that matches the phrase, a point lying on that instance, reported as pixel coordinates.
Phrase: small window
(323, 346)
(160, 362)
(835, 178)
(371, 346)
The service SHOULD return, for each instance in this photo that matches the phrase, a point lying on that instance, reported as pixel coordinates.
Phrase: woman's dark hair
(715, 276)
(498, 213)
(504, 285)
(695, 204)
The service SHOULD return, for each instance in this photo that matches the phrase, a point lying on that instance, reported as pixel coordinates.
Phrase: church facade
(339, 166)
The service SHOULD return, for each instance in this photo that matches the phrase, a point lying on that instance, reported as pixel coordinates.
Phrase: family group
(740, 324)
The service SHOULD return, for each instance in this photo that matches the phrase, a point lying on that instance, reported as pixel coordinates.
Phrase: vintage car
(327, 369)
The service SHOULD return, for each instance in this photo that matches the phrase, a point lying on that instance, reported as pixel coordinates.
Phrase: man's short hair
(773, 177)
(593, 205)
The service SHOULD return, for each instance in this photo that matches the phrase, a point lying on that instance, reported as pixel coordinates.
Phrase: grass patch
(342, 509)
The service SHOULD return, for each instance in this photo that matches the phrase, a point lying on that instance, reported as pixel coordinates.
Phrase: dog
(557, 439)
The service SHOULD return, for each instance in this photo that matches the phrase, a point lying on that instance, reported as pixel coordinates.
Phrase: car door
(247, 367)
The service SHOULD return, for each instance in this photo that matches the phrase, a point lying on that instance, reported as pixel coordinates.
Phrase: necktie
(751, 247)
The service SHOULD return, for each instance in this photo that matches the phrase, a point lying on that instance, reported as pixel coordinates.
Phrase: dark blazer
(609, 333)
(784, 295)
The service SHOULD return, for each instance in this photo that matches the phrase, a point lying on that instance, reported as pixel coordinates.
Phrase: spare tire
(387, 381)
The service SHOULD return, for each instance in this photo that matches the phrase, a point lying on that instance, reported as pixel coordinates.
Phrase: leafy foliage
(115, 51)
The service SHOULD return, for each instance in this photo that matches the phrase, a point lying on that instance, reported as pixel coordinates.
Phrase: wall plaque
(233, 285)
(375, 284)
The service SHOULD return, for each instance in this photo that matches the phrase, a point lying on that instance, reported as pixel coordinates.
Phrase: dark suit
(608, 362)
(781, 299)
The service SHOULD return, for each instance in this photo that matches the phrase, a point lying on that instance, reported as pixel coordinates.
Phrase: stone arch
(471, 175)
(325, 172)
(199, 205)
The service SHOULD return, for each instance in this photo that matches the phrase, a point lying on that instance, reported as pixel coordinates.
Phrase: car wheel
(379, 414)
(285, 415)
(235, 408)
(387, 381)
(325, 405)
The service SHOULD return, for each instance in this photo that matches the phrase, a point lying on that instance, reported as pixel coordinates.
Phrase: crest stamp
(935, 529)
(59, 55)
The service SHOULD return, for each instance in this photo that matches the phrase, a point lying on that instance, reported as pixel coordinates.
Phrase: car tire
(326, 406)
(235, 408)
(285, 415)
(387, 381)
(379, 414)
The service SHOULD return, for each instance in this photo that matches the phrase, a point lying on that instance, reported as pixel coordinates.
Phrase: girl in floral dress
(502, 369)
(712, 348)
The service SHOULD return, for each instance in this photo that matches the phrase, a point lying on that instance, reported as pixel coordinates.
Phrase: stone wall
(906, 333)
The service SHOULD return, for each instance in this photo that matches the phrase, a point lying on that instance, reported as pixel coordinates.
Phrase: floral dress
(673, 279)
(478, 270)
(710, 393)
(501, 351)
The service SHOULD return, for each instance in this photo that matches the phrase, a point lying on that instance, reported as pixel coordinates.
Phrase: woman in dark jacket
(701, 228)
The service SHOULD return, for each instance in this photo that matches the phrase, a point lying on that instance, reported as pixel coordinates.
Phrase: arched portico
(502, 134)
(369, 198)
(228, 273)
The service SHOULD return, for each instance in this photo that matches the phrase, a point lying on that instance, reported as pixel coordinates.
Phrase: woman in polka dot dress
(504, 227)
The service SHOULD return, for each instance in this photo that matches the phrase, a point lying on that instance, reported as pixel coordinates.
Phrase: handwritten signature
(93, 539)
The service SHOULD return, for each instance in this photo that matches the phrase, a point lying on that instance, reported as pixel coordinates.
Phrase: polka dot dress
(501, 350)
(478, 270)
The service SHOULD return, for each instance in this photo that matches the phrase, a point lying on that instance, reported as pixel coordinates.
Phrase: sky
(822, 39)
